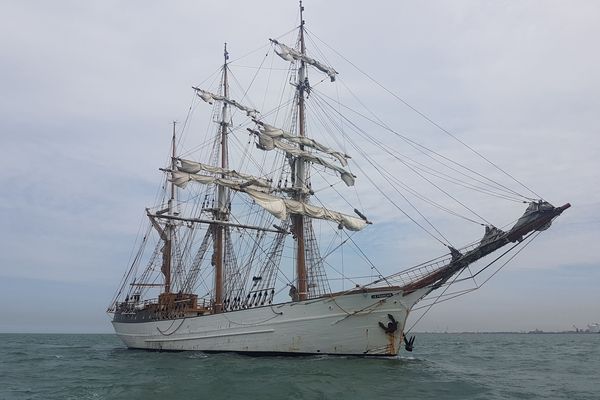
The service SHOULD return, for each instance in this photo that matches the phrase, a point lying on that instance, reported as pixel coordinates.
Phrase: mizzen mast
(300, 174)
(221, 212)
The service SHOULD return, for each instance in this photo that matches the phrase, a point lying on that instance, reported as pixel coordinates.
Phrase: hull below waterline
(344, 325)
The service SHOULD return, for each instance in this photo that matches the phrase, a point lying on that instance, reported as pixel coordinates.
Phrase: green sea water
(442, 366)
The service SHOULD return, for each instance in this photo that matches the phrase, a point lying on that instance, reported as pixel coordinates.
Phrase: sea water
(442, 366)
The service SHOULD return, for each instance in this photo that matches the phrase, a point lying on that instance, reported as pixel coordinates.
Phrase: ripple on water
(442, 366)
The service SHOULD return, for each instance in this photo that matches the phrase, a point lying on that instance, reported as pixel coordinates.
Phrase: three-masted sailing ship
(216, 278)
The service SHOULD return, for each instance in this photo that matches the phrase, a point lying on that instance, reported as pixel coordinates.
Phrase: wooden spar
(146, 284)
(222, 199)
(298, 219)
(212, 222)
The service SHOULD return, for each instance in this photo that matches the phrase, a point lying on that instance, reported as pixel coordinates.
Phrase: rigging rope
(427, 118)
(386, 149)
(528, 239)
(423, 167)
(384, 194)
(421, 148)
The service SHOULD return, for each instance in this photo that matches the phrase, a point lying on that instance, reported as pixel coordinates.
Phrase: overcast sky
(89, 89)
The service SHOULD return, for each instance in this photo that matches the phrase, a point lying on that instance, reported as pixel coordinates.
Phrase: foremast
(166, 233)
(299, 174)
(222, 211)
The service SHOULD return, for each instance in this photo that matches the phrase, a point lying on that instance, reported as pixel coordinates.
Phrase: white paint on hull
(345, 324)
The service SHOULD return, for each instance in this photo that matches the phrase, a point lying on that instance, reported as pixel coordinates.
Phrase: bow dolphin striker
(244, 248)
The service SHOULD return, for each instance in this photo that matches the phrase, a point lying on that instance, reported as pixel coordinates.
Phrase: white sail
(266, 142)
(274, 132)
(181, 179)
(211, 97)
(289, 54)
(280, 208)
(347, 177)
(274, 205)
(277, 206)
(193, 167)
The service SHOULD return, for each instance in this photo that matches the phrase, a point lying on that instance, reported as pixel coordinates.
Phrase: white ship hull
(343, 325)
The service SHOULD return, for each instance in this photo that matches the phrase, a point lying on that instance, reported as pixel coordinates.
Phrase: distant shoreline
(534, 332)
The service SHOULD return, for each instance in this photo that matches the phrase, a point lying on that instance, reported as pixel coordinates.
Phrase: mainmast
(222, 197)
(300, 174)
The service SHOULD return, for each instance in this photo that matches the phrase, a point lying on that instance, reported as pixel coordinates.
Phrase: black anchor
(408, 344)
(391, 327)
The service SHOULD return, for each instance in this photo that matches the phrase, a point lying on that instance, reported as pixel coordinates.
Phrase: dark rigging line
(261, 47)
(448, 177)
(403, 185)
(381, 170)
(366, 258)
(428, 119)
(387, 197)
(418, 146)
(385, 149)
(434, 302)
(530, 238)
(359, 151)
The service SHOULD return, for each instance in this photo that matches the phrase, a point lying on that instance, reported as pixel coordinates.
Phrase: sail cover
(280, 208)
(289, 54)
(211, 97)
(532, 213)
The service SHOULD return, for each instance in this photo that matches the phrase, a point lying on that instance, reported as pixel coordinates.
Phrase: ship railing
(130, 307)
(420, 271)
(254, 298)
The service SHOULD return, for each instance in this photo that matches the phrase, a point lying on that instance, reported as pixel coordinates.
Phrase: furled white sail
(274, 205)
(211, 97)
(194, 167)
(277, 206)
(266, 142)
(274, 132)
(280, 208)
(181, 179)
(289, 54)
(347, 177)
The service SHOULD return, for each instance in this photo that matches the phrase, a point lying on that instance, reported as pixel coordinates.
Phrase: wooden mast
(222, 199)
(298, 220)
(167, 251)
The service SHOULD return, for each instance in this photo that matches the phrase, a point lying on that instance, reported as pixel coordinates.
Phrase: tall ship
(593, 328)
(241, 250)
